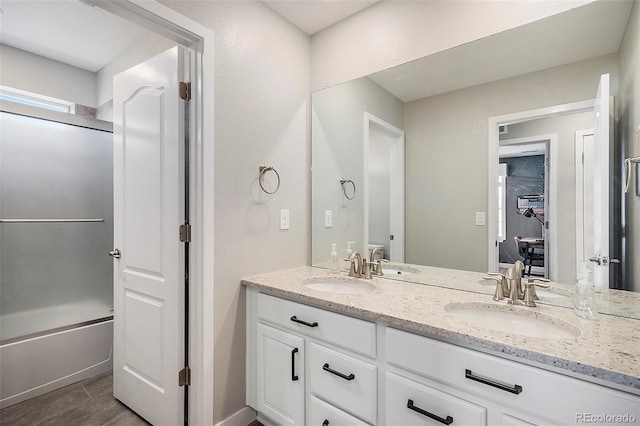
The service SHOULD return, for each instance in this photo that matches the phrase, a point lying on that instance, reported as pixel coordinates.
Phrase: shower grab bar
(49, 220)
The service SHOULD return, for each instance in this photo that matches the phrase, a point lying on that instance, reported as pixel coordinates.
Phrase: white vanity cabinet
(512, 393)
(280, 375)
(309, 366)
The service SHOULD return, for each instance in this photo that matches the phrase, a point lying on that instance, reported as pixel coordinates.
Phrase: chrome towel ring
(263, 170)
(344, 182)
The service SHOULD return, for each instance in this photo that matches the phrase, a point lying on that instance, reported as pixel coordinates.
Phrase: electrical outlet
(328, 219)
(480, 218)
(284, 219)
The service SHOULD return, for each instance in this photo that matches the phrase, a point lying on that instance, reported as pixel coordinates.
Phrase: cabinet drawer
(412, 403)
(323, 414)
(343, 381)
(506, 382)
(351, 333)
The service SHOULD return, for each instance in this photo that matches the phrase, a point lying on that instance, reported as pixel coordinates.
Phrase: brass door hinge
(184, 377)
(185, 233)
(185, 91)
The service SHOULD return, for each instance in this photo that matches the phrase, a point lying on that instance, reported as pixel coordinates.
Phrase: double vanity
(327, 349)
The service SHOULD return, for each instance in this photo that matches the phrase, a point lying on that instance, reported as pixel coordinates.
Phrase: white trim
(493, 157)
(397, 182)
(550, 199)
(245, 416)
(32, 98)
(182, 30)
(579, 141)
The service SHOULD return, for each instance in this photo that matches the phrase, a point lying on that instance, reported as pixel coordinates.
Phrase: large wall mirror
(402, 159)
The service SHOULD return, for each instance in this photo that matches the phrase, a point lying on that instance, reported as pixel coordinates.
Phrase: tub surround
(607, 352)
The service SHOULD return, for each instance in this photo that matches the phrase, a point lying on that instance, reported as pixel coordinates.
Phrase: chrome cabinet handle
(446, 421)
(115, 254)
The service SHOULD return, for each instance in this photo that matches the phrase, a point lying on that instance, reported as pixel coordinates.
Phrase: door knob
(115, 253)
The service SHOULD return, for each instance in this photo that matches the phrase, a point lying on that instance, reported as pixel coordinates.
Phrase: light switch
(284, 219)
(328, 219)
(480, 218)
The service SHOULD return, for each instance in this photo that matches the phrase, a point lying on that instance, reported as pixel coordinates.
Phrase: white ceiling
(312, 16)
(582, 33)
(68, 31)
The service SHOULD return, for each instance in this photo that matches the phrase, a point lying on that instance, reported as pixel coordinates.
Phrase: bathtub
(42, 362)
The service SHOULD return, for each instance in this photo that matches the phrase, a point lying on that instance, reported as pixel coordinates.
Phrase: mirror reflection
(444, 112)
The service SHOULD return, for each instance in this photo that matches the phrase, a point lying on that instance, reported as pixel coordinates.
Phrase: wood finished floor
(87, 403)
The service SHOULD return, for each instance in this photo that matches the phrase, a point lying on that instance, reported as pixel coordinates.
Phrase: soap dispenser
(583, 305)
(334, 265)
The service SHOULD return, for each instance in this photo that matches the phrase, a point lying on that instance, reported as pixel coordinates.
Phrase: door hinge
(185, 233)
(184, 377)
(185, 91)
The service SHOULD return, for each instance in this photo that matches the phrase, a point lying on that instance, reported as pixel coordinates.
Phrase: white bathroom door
(602, 128)
(148, 210)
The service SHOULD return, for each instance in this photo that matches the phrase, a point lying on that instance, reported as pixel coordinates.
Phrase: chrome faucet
(360, 268)
(514, 276)
(356, 264)
(376, 264)
(511, 284)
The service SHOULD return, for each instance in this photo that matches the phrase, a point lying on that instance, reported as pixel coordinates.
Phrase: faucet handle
(500, 281)
(530, 286)
(530, 295)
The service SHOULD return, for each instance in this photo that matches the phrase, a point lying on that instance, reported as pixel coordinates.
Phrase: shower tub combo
(56, 229)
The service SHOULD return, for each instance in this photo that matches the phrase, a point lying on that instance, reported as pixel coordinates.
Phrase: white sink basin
(395, 270)
(339, 285)
(513, 320)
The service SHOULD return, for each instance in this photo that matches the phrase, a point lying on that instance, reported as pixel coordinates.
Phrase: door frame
(396, 209)
(493, 157)
(550, 198)
(199, 39)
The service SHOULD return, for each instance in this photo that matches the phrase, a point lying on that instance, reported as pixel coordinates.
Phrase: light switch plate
(284, 219)
(328, 218)
(480, 218)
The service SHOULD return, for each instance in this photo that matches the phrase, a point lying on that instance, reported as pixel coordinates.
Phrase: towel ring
(263, 170)
(343, 182)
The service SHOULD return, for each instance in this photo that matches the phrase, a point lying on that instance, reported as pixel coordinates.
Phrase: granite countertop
(607, 351)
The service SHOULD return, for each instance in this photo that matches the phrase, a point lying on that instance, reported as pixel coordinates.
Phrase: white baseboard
(244, 417)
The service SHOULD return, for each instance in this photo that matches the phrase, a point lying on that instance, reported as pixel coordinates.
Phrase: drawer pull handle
(325, 367)
(446, 421)
(512, 389)
(294, 377)
(325, 423)
(308, 324)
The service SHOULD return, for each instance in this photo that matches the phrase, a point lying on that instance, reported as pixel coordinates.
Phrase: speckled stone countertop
(611, 302)
(607, 350)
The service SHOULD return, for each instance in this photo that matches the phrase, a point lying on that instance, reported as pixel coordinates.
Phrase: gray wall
(629, 116)
(338, 142)
(446, 156)
(37, 74)
(391, 33)
(261, 117)
(53, 170)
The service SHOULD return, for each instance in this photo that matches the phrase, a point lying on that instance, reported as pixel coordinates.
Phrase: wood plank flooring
(87, 403)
